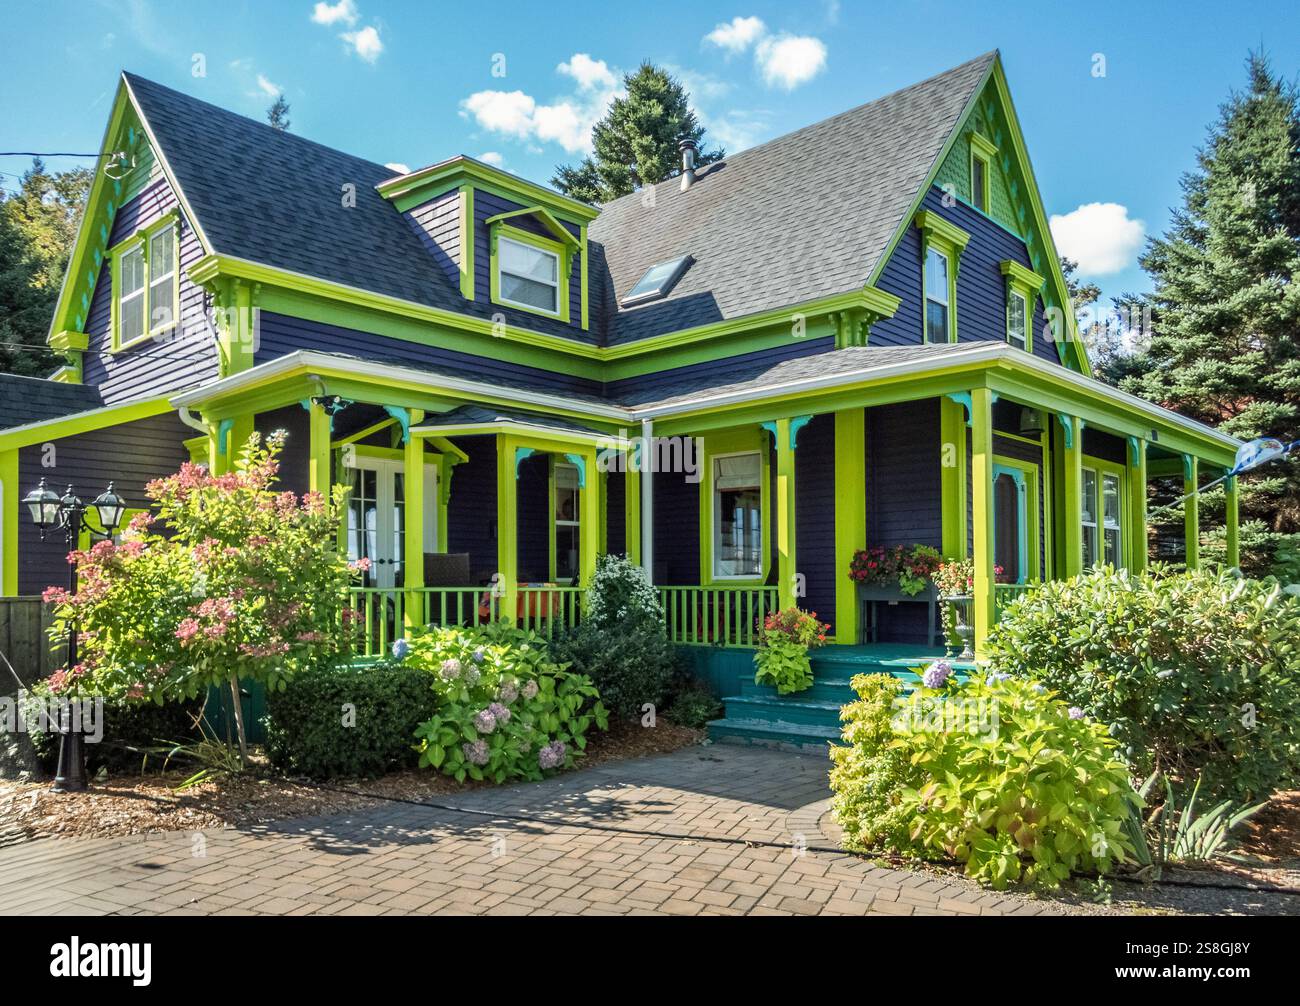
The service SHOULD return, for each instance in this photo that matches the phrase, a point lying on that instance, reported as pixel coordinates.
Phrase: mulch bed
(129, 805)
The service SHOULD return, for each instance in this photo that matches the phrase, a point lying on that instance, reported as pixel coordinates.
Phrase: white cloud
(365, 42)
(493, 158)
(566, 121)
(344, 11)
(790, 60)
(738, 34)
(398, 168)
(1099, 236)
(589, 73)
(267, 87)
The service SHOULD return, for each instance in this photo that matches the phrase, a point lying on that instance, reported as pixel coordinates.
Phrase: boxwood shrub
(1192, 672)
(347, 721)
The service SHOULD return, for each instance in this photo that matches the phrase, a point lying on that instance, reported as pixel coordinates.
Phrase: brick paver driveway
(716, 830)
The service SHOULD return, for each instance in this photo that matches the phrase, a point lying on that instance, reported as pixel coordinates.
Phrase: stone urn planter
(962, 606)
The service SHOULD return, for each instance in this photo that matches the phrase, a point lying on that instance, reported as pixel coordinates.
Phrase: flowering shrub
(997, 774)
(907, 566)
(1193, 673)
(505, 710)
(782, 655)
(246, 582)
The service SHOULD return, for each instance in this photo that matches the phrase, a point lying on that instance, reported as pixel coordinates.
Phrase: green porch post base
(982, 514)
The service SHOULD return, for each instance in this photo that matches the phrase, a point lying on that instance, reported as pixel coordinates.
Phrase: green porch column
(589, 524)
(785, 543)
(1070, 500)
(982, 513)
(413, 540)
(506, 587)
(1232, 532)
(10, 494)
(952, 477)
(850, 515)
(228, 438)
(318, 450)
(632, 505)
(1137, 504)
(1191, 513)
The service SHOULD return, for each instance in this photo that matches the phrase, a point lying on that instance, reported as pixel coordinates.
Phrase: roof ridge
(984, 57)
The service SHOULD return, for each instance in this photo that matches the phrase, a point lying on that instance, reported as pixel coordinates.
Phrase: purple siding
(981, 287)
(281, 334)
(472, 510)
(1106, 446)
(296, 456)
(676, 529)
(437, 224)
(152, 368)
(814, 515)
(533, 518)
(615, 530)
(128, 455)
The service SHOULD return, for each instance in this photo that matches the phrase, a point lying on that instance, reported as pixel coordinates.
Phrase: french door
(377, 517)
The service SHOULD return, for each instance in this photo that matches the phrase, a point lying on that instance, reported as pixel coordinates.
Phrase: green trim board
(947, 240)
(545, 216)
(752, 440)
(466, 233)
(10, 511)
(850, 514)
(82, 422)
(982, 511)
(952, 477)
(1191, 512)
(1025, 476)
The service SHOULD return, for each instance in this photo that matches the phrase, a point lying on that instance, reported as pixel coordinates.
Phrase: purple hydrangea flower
(485, 722)
(508, 692)
(936, 674)
(401, 648)
(476, 753)
(478, 655)
(450, 669)
(1076, 713)
(552, 755)
(499, 713)
(472, 675)
(997, 676)
(530, 690)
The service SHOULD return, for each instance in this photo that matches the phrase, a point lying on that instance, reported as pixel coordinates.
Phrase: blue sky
(519, 83)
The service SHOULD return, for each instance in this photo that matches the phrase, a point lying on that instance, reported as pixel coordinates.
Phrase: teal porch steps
(810, 720)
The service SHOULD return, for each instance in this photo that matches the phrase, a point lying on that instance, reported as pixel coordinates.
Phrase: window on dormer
(979, 174)
(936, 296)
(528, 276)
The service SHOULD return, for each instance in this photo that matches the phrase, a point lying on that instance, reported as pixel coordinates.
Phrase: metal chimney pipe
(687, 146)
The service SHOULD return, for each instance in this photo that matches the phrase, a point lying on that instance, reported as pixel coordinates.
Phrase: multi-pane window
(936, 296)
(979, 183)
(162, 278)
(1017, 320)
(146, 277)
(528, 276)
(130, 294)
(1102, 518)
(738, 515)
(1110, 522)
(567, 521)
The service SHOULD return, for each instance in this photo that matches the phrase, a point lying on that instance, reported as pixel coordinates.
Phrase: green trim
(1025, 474)
(1137, 505)
(850, 515)
(952, 478)
(1191, 512)
(582, 278)
(82, 422)
(948, 240)
(721, 444)
(466, 265)
(982, 515)
(544, 215)
(786, 544)
(564, 261)
(10, 508)
(1232, 530)
(197, 447)
(420, 186)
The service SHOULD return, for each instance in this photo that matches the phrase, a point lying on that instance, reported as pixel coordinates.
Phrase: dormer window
(982, 153)
(532, 256)
(657, 282)
(1023, 286)
(529, 276)
(146, 298)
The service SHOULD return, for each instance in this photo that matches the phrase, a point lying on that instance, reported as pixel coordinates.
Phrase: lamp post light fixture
(67, 513)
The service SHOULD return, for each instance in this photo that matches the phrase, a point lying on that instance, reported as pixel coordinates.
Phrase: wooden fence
(25, 643)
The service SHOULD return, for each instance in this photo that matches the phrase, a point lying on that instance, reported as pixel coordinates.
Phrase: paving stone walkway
(717, 830)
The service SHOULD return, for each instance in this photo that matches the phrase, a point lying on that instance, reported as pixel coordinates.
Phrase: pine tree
(635, 144)
(1225, 341)
(38, 225)
(278, 114)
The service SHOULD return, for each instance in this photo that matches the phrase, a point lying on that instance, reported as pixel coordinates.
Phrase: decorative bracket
(1067, 428)
(522, 454)
(1134, 451)
(403, 417)
(580, 463)
(223, 432)
(797, 424)
(1188, 462)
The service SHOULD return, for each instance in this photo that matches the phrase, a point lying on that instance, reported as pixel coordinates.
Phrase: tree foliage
(277, 115)
(635, 144)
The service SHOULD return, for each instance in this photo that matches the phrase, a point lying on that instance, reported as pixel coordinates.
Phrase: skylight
(657, 281)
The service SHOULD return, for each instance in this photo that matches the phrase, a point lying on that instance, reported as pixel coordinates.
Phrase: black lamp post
(68, 514)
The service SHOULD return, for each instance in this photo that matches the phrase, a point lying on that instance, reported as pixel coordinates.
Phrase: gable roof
(26, 400)
(803, 216)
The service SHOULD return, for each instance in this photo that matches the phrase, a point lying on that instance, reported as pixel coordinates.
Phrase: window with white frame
(162, 278)
(145, 271)
(738, 516)
(1088, 517)
(1102, 518)
(567, 521)
(1017, 320)
(936, 296)
(528, 276)
(1110, 520)
(130, 294)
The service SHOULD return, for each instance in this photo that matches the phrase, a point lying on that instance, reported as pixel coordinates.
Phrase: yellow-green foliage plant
(998, 775)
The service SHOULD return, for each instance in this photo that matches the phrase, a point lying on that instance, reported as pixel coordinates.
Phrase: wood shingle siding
(437, 224)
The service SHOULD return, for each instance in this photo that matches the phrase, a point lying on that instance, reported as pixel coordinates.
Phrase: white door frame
(382, 575)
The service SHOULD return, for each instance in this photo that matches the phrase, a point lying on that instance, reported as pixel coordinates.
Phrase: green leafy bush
(693, 706)
(505, 709)
(782, 654)
(621, 644)
(999, 775)
(1195, 673)
(133, 732)
(347, 721)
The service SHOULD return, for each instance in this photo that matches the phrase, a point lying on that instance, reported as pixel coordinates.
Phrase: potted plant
(785, 638)
(955, 582)
(894, 574)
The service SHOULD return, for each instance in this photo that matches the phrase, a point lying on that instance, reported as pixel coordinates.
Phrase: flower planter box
(871, 595)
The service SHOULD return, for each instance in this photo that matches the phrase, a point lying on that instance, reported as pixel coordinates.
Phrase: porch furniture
(870, 595)
(446, 569)
(536, 601)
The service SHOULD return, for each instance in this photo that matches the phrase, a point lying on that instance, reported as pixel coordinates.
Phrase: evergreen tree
(278, 114)
(635, 144)
(38, 225)
(1225, 341)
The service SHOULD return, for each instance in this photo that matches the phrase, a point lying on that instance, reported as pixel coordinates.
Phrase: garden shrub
(693, 706)
(347, 721)
(783, 645)
(621, 643)
(1195, 673)
(997, 774)
(133, 733)
(505, 709)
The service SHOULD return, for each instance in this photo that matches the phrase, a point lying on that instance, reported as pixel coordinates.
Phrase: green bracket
(223, 432)
(403, 417)
(580, 463)
(522, 454)
(1188, 461)
(963, 399)
(797, 424)
(1067, 428)
(770, 426)
(1133, 451)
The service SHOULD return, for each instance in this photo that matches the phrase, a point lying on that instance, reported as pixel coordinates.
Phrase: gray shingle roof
(803, 216)
(26, 400)
(475, 415)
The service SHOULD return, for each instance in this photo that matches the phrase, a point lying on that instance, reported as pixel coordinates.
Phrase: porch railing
(1004, 594)
(719, 616)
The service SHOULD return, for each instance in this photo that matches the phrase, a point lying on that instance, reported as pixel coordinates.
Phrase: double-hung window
(132, 303)
(738, 516)
(568, 515)
(936, 296)
(145, 276)
(1101, 517)
(528, 276)
(1017, 319)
